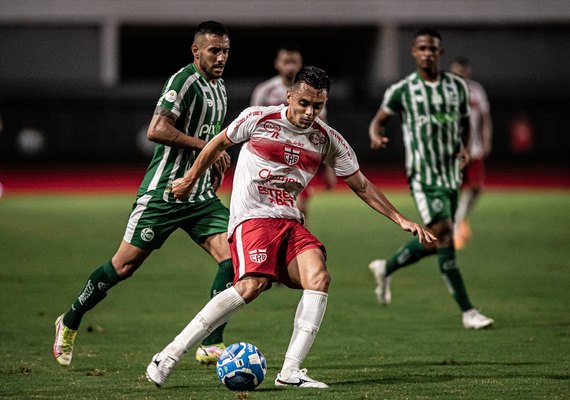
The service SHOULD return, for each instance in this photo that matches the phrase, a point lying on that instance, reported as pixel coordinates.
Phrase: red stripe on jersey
(276, 115)
(281, 153)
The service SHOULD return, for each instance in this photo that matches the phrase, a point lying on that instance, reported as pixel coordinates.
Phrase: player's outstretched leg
(66, 325)
(217, 312)
(212, 346)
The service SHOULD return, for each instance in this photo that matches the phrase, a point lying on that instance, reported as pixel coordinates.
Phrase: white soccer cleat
(63, 343)
(473, 319)
(299, 378)
(160, 368)
(383, 292)
(209, 354)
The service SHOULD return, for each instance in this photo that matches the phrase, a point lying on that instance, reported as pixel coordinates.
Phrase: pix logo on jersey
(258, 256)
(291, 155)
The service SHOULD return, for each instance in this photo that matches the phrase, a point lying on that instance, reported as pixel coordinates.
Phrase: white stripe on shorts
(239, 247)
(136, 216)
(421, 201)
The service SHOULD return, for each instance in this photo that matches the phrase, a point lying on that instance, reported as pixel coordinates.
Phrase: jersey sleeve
(176, 94)
(392, 101)
(340, 156)
(243, 126)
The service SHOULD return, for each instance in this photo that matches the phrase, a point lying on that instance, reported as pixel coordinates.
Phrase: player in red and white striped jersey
(283, 148)
(479, 147)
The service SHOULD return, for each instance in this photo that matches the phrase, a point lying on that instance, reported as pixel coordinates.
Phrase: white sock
(308, 318)
(218, 311)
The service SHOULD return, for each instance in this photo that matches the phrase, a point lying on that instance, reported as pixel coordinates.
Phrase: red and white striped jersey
(479, 106)
(278, 160)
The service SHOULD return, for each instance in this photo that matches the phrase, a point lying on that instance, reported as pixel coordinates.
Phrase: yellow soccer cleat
(63, 344)
(209, 354)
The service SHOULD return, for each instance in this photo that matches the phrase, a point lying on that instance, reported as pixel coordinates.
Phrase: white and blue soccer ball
(241, 367)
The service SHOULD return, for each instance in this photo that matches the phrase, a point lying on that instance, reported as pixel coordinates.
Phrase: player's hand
(216, 179)
(464, 158)
(181, 188)
(222, 163)
(423, 234)
(379, 142)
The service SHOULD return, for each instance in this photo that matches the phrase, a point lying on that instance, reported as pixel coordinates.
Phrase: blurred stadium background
(79, 79)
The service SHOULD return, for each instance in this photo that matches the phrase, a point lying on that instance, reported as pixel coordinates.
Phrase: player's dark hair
(210, 27)
(428, 32)
(293, 47)
(463, 61)
(313, 76)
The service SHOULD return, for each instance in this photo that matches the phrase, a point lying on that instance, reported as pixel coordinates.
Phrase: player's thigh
(435, 204)
(207, 225)
(151, 222)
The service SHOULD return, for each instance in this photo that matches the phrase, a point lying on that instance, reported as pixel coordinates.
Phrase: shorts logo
(292, 155)
(171, 96)
(258, 256)
(437, 205)
(147, 234)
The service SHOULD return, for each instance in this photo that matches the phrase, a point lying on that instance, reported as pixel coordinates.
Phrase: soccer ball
(241, 367)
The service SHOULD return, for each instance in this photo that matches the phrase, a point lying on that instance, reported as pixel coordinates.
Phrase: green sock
(452, 277)
(406, 255)
(95, 290)
(223, 280)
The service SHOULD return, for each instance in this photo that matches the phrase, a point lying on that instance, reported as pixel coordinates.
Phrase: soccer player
(479, 148)
(273, 92)
(188, 114)
(283, 148)
(434, 109)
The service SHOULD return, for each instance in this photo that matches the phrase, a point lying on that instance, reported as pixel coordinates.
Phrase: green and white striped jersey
(201, 108)
(430, 114)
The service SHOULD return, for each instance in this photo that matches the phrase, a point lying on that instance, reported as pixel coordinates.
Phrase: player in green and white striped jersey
(434, 109)
(188, 114)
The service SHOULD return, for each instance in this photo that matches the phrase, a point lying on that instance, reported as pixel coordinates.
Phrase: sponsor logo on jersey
(317, 138)
(258, 256)
(268, 176)
(208, 130)
(171, 96)
(272, 128)
(279, 197)
(295, 143)
(292, 156)
(210, 102)
(147, 234)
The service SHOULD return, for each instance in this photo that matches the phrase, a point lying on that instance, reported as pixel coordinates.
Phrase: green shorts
(152, 220)
(434, 204)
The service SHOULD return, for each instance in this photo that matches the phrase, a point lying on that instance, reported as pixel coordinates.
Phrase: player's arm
(374, 197)
(376, 129)
(487, 132)
(465, 131)
(211, 153)
(162, 130)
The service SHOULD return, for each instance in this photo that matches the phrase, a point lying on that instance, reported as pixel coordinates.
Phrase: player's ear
(288, 96)
(195, 51)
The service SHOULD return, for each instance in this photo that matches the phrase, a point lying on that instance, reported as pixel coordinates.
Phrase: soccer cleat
(160, 368)
(462, 235)
(209, 354)
(383, 292)
(473, 319)
(299, 378)
(63, 343)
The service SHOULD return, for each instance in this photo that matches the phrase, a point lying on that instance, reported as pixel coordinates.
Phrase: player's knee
(249, 288)
(319, 281)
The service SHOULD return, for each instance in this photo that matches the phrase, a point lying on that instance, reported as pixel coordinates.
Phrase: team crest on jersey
(258, 256)
(437, 205)
(317, 138)
(171, 96)
(292, 156)
(210, 102)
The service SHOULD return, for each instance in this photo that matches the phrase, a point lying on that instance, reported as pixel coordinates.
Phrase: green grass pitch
(517, 270)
